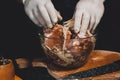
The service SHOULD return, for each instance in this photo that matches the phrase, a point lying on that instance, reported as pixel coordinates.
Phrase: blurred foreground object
(6, 69)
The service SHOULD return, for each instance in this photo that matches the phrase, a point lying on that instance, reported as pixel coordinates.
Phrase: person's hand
(41, 12)
(87, 15)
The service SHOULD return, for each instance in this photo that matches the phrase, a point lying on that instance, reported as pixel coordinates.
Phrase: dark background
(18, 35)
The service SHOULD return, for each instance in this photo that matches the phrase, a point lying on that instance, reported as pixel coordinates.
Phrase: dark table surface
(35, 73)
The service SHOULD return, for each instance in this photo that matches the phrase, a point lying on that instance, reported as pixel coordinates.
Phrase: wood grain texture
(96, 59)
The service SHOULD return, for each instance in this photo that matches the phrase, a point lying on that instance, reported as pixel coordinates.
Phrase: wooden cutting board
(96, 59)
(17, 78)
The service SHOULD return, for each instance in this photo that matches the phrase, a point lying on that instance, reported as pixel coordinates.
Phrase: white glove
(87, 15)
(41, 12)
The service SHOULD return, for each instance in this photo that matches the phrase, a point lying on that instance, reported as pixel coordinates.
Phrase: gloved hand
(41, 12)
(87, 15)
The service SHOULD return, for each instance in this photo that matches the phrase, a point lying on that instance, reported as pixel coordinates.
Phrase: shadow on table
(35, 73)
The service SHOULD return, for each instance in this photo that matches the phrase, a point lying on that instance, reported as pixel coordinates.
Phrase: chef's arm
(87, 15)
(41, 12)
